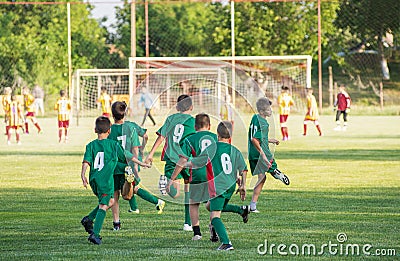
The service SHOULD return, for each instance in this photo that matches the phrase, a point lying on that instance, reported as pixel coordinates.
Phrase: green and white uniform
(102, 156)
(176, 128)
(192, 147)
(224, 163)
(127, 136)
(259, 128)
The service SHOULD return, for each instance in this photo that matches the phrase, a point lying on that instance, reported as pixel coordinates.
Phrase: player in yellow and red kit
(285, 101)
(15, 118)
(30, 110)
(63, 107)
(312, 112)
(105, 100)
(5, 101)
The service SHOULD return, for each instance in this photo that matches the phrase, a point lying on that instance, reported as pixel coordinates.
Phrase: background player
(63, 108)
(15, 119)
(343, 102)
(228, 168)
(30, 110)
(312, 112)
(285, 101)
(101, 156)
(125, 132)
(192, 147)
(5, 101)
(261, 159)
(175, 129)
(105, 100)
(226, 113)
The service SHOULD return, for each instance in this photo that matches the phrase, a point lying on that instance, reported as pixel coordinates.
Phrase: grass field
(343, 182)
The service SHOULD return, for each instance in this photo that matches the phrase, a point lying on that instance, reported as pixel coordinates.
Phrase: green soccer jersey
(224, 163)
(176, 128)
(192, 147)
(140, 131)
(259, 128)
(102, 156)
(127, 135)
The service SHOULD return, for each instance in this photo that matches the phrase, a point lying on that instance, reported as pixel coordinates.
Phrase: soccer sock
(133, 203)
(7, 129)
(221, 230)
(196, 230)
(38, 127)
(26, 127)
(172, 191)
(253, 205)
(232, 208)
(286, 132)
(305, 129)
(283, 132)
(187, 213)
(93, 213)
(144, 194)
(60, 134)
(98, 222)
(17, 136)
(319, 130)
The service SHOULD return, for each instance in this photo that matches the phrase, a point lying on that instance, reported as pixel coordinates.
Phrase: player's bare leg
(256, 192)
(115, 211)
(194, 217)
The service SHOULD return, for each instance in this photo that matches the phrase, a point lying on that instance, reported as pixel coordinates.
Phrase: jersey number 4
(99, 161)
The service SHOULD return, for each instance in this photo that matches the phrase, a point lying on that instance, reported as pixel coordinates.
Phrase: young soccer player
(285, 101)
(192, 147)
(15, 119)
(343, 102)
(63, 108)
(143, 134)
(226, 113)
(105, 100)
(225, 167)
(125, 132)
(312, 112)
(101, 156)
(30, 110)
(261, 159)
(175, 129)
(5, 101)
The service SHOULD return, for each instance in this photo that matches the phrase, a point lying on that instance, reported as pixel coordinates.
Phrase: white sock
(253, 205)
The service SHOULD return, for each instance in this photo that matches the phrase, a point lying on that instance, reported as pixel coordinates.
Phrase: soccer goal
(210, 81)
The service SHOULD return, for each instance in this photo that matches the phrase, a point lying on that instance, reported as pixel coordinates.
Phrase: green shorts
(169, 169)
(199, 192)
(260, 167)
(218, 203)
(103, 196)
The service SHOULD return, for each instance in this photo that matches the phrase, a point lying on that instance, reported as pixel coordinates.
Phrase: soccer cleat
(225, 247)
(245, 215)
(87, 224)
(162, 184)
(187, 227)
(196, 237)
(129, 174)
(160, 206)
(281, 176)
(95, 240)
(117, 226)
(254, 210)
(337, 128)
(8, 142)
(134, 211)
(213, 235)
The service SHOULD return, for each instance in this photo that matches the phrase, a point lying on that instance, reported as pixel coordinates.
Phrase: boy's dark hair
(184, 103)
(118, 110)
(103, 88)
(202, 120)
(224, 129)
(102, 125)
(263, 104)
(62, 93)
